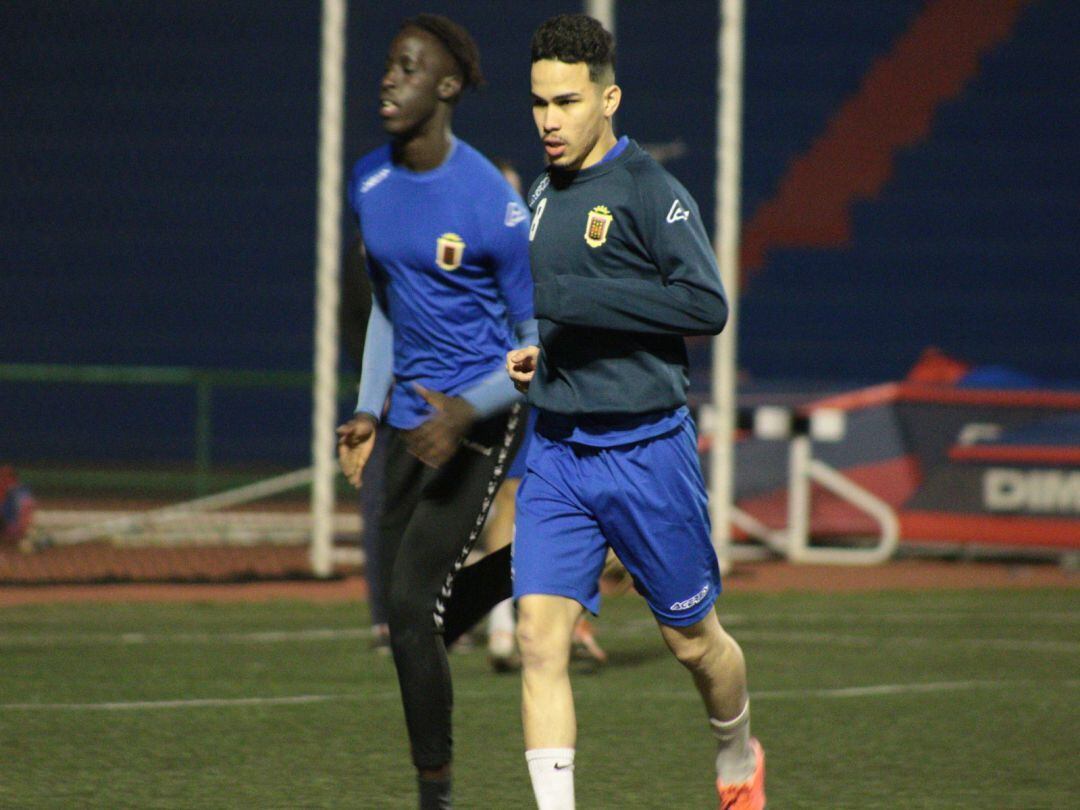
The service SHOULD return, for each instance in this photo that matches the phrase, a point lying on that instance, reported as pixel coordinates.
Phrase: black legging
(431, 520)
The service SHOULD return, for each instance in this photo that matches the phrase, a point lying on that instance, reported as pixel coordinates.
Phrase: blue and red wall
(911, 177)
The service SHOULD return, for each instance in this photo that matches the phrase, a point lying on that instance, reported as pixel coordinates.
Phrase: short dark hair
(457, 41)
(574, 38)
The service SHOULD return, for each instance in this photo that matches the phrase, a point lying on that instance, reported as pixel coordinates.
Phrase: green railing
(202, 381)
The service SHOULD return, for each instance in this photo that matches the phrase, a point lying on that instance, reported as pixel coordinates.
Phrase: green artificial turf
(889, 700)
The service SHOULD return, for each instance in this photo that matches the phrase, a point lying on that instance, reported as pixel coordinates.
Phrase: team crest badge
(449, 250)
(596, 227)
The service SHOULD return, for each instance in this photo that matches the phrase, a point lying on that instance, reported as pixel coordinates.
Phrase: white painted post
(729, 82)
(327, 280)
(602, 10)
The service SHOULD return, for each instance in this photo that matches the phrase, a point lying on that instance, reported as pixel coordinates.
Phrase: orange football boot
(749, 795)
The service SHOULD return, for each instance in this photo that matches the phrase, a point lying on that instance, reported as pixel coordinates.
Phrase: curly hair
(457, 41)
(573, 38)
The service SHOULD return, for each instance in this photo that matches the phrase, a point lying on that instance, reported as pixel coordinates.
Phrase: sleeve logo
(596, 227)
(449, 251)
(373, 180)
(678, 211)
(515, 213)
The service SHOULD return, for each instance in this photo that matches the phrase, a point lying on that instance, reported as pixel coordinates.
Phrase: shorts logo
(696, 599)
(449, 250)
(596, 227)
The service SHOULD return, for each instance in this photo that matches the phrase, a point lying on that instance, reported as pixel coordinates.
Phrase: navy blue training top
(623, 271)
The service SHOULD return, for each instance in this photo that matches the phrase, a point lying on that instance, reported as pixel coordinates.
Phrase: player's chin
(396, 127)
(566, 162)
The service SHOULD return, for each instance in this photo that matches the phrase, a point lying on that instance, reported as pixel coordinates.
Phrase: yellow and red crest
(596, 227)
(449, 251)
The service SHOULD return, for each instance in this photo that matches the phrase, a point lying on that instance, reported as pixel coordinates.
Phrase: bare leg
(545, 626)
(715, 662)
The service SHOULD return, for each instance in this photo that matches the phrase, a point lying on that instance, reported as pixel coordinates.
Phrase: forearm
(633, 305)
(377, 374)
(496, 391)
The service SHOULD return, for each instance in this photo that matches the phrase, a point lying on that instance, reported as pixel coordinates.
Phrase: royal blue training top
(448, 256)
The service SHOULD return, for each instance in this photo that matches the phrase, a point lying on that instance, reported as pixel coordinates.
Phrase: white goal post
(327, 281)
(729, 88)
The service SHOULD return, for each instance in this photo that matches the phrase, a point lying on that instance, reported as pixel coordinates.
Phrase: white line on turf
(874, 690)
(875, 641)
(630, 629)
(192, 703)
(254, 637)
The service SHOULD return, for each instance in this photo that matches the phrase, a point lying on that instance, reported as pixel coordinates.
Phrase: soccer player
(499, 532)
(447, 252)
(623, 271)
(353, 314)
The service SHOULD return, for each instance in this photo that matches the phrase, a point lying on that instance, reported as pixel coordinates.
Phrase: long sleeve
(510, 257)
(377, 374)
(688, 297)
(496, 391)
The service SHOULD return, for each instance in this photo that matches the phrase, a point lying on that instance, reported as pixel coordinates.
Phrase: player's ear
(611, 97)
(449, 87)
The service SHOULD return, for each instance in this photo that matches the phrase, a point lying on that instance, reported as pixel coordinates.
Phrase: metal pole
(728, 180)
(602, 10)
(328, 270)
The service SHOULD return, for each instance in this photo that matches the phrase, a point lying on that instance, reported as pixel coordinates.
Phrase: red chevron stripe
(893, 108)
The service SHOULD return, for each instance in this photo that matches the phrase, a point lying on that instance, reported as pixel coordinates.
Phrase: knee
(708, 652)
(542, 647)
(407, 611)
(694, 653)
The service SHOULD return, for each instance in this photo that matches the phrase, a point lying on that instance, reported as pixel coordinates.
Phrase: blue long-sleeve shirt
(622, 271)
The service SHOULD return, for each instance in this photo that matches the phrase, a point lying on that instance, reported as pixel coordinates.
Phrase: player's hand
(437, 439)
(521, 366)
(356, 438)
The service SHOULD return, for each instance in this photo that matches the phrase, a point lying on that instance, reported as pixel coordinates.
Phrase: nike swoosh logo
(562, 766)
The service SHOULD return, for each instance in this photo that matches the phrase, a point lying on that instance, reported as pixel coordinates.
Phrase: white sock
(734, 757)
(501, 619)
(552, 773)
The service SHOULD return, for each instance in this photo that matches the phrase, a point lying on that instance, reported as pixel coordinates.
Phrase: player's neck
(600, 148)
(425, 150)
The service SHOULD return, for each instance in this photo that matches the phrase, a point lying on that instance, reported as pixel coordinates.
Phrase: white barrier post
(327, 280)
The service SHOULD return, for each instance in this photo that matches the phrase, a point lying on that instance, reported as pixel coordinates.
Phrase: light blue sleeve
(496, 391)
(377, 374)
(509, 239)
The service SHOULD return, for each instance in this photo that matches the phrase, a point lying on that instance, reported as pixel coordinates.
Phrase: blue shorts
(645, 500)
(517, 466)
